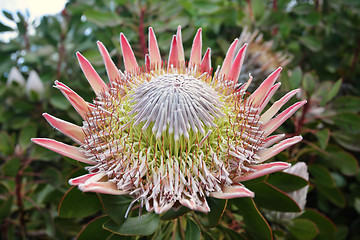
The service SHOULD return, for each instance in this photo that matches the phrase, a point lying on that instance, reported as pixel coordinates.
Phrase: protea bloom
(261, 59)
(172, 134)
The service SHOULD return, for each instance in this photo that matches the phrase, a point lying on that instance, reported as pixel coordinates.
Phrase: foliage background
(323, 38)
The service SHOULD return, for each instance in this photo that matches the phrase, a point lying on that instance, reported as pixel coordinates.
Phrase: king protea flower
(172, 134)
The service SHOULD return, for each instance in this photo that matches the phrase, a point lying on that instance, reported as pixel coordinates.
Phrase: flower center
(177, 102)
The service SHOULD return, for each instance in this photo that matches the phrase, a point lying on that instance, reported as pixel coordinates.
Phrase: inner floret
(178, 102)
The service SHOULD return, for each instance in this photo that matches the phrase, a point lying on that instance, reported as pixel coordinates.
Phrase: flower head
(172, 133)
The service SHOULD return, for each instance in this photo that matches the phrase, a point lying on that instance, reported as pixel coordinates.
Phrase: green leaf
(217, 209)
(286, 182)
(271, 198)
(255, 223)
(348, 141)
(323, 137)
(334, 90)
(231, 234)
(78, 204)
(115, 206)
(346, 104)
(172, 214)
(135, 226)
(312, 43)
(295, 78)
(11, 167)
(303, 229)
(4, 28)
(5, 207)
(102, 19)
(321, 175)
(94, 229)
(8, 15)
(345, 161)
(333, 194)
(26, 134)
(6, 143)
(348, 122)
(192, 230)
(324, 224)
(308, 83)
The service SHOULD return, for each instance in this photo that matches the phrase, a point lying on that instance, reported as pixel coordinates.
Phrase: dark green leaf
(255, 223)
(26, 134)
(77, 204)
(4, 28)
(308, 83)
(347, 140)
(8, 15)
(173, 214)
(11, 167)
(333, 194)
(135, 226)
(323, 223)
(231, 234)
(346, 104)
(323, 137)
(286, 182)
(295, 78)
(115, 206)
(334, 90)
(312, 43)
(303, 229)
(348, 122)
(94, 229)
(192, 230)
(217, 209)
(6, 143)
(271, 198)
(346, 162)
(5, 207)
(321, 175)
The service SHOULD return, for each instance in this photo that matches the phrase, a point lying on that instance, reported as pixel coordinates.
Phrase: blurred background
(316, 41)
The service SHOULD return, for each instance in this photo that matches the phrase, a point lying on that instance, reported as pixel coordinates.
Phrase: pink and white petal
(266, 116)
(269, 96)
(226, 66)
(261, 170)
(266, 154)
(81, 179)
(73, 131)
(102, 187)
(97, 84)
(189, 203)
(203, 208)
(154, 52)
(258, 96)
(164, 208)
(173, 54)
(274, 123)
(147, 63)
(229, 192)
(206, 62)
(244, 87)
(63, 149)
(180, 46)
(237, 64)
(195, 56)
(80, 105)
(128, 55)
(111, 69)
(269, 141)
